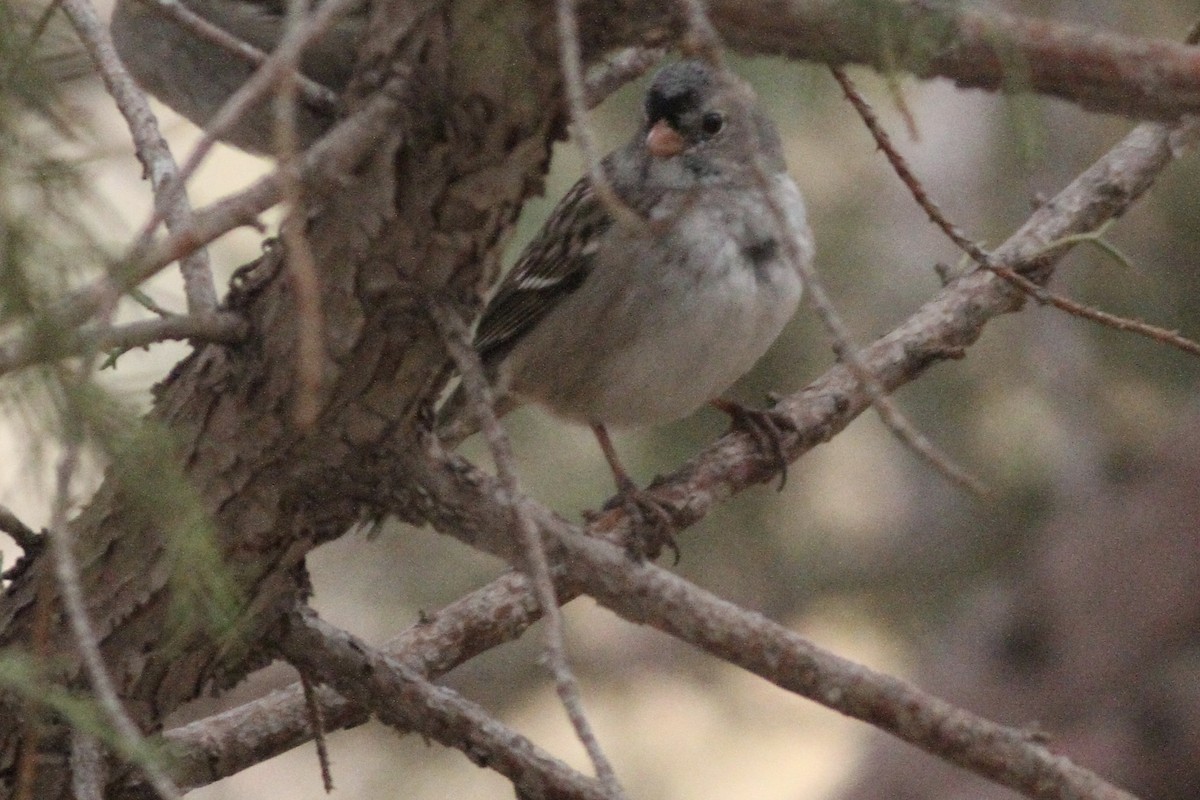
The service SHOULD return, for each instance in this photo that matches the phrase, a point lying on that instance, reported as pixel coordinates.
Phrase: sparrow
(612, 319)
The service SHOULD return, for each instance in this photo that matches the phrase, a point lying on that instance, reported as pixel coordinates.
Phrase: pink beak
(663, 141)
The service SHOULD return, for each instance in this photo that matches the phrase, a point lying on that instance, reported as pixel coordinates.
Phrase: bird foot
(768, 429)
(652, 525)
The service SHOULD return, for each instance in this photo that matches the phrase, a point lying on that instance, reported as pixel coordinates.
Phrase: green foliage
(49, 245)
(32, 681)
(143, 461)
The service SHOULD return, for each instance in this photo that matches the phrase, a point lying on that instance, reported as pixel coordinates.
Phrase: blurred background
(1069, 604)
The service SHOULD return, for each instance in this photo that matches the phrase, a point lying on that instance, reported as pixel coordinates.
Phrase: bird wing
(552, 266)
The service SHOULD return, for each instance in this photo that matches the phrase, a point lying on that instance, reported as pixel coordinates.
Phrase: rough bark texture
(424, 216)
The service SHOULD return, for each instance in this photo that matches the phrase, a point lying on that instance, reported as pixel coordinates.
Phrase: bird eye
(712, 123)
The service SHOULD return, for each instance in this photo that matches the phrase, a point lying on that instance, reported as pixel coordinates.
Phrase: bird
(618, 319)
(195, 75)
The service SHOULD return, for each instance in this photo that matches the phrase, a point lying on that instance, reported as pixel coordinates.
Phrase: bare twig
(32, 348)
(316, 717)
(170, 196)
(988, 260)
(891, 415)
(482, 404)
(1114, 321)
(571, 63)
(616, 70)
(301, 262)
(26, 538)
(334, 153)
(404, 699)
(281, 63)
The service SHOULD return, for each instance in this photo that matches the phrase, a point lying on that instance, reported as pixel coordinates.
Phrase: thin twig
(301, 263)
(571, 63)
(333, 153)
(33, 347)
(988, 260)
(1125, 324)
(893, 418)
(67, 572)
(618, 69)
(281, 63)
(26, 538)
(316, 718)
(456, 335)
(170, 195)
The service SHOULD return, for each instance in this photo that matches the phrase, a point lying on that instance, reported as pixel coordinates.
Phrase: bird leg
(765, 426)
(653, 526)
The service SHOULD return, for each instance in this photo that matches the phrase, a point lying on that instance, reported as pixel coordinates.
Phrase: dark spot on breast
(761, 253)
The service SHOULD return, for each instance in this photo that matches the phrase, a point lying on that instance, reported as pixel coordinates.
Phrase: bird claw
(768, 429)
(652, 526)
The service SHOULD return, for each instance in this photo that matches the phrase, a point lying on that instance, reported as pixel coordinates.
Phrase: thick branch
(647, 594)
(1151, 79)
(224, 744)
(404, 699)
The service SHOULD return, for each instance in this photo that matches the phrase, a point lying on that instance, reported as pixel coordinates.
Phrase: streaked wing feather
(552, 266)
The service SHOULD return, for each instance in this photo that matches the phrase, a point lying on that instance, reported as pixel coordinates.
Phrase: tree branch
(404, 699)
(39, 345)
(224, 744)
(647, 594)
(170, 195)
(1100, 71)
(334, 154)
